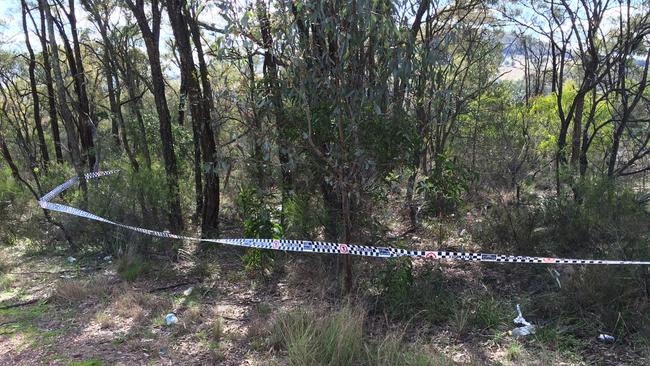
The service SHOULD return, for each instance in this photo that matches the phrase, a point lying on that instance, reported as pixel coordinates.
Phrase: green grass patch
(131, 268)
(339, 338)
(562, 341)
(90, 362)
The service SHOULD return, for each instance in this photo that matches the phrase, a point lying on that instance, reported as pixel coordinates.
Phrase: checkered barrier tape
(306, 246)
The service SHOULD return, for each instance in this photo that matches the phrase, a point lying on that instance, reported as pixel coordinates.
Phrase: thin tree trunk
(51, 98)
(200, 118)
(45, 156)
(151, 40)
(66, 114)
(577, 130)
(213, 179)
(273, 89)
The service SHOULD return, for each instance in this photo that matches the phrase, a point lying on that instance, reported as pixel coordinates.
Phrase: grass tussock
(130, 268)
(309, 338)
(138, 305)
(73, 291)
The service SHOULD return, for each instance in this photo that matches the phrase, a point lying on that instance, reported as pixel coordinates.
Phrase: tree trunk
(45, 156)
(273, 89)
(151, 40)
(200, 108)
(577, 130)
(51, 98)
(66, 114)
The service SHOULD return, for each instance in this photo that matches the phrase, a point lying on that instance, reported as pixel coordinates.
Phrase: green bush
(444, 187)
(401, 292)
(302, 217)
(605, 221)
(258, 218)
(600, 219)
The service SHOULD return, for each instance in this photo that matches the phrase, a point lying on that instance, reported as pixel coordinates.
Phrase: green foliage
(401, 293)
(9, 188)
(258, 223)
(489, 312)
(601, 219)
(557, 338)
(130, 268)
(303, 218)
(257, 215)
(443, 189)
(90, 362)
(396, 283)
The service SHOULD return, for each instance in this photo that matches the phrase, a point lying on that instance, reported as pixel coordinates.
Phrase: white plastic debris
(171, 319)
(188, 292)
(524, 328)
(520, 318)
(108, 258)
(606, 338)
(71, 259)
(523, 331)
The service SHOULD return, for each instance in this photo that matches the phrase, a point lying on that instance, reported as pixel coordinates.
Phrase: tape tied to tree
(307, 246)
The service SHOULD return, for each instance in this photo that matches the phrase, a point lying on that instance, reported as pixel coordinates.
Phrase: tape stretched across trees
(316, 246)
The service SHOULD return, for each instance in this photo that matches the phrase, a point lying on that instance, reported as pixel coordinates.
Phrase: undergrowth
(339, 338)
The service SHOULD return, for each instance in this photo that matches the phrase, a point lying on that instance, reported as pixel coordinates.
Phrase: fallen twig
(56, 272)
(24, 303)
(172, 286)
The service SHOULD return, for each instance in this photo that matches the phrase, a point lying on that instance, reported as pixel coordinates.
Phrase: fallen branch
(29, 302)
(157, 289)
(56, 272)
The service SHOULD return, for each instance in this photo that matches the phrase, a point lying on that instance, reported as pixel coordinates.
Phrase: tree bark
(274, 90)
(45, 156)
(200, 109)
(51, 98)
(66, 114)
(577, 130)
(151, 34)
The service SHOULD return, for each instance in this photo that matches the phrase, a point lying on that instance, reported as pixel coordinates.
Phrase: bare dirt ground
(85, 314)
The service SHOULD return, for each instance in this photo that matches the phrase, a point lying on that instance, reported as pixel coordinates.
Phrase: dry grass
(105, 320)
(338, 338)
(4, 262)
(192, 315)
(138, 305)
(72, 291)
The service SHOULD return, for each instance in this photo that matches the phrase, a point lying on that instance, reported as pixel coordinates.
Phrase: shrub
(443, 188)
(258, 223)
(605, 220)
(601, 219)
(302, 218)
(400, 293)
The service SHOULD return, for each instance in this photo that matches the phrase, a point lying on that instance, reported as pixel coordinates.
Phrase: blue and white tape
(306, 246)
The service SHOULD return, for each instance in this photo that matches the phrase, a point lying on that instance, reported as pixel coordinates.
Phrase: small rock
(71, 259)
